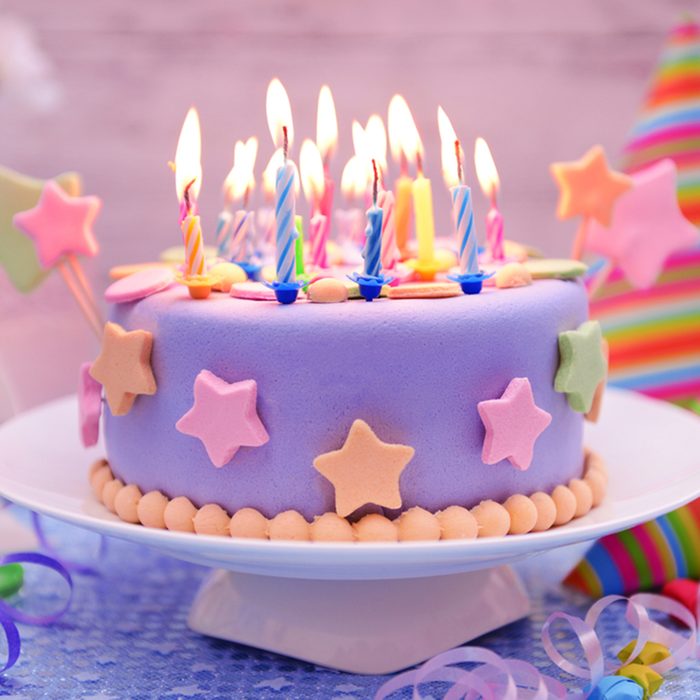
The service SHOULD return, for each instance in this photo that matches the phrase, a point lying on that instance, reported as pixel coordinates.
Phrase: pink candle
(325, 207)
(494, 232)
(317, 240)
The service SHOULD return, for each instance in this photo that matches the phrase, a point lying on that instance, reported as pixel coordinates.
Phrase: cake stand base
(372, 627)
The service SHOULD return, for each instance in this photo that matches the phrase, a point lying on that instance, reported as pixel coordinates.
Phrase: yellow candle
(425, 225)
(402, 213)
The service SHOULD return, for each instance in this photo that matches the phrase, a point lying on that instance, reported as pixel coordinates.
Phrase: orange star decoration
(364, 470)
(588, 187)
(124, 367)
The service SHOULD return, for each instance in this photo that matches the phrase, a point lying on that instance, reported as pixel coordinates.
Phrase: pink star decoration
(60, 224)
(224, 417)
(647, 226)
(513, 423)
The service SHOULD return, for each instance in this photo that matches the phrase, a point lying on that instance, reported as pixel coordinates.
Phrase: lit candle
(376, 146)
(353, 185)
(398, 109)
(425, 224)
(326, 140)
(188, 180)
(311, 169)
(373, 233)
(490, 184)
(279, 118)
(234, 238)
(462, 211)
(299, 246)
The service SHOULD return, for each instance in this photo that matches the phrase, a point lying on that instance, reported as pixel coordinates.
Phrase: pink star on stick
(647, 226)
(224, 417)
(60, 225)
(513, 423)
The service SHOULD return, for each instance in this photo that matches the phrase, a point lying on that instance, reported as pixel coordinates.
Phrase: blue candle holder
(285, 292)
(251, 269)
(471, 283)
(370, 285)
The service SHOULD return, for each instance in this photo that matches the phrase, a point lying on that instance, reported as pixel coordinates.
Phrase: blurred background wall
(111, 82)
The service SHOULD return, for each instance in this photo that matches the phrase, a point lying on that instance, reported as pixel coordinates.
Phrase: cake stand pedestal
(373, 627)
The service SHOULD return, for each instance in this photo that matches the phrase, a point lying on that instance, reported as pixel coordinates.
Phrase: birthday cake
(253, 391)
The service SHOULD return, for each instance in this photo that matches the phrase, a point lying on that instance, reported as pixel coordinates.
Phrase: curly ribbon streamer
(74, 566)
(495, 679)
(9, 615)
(637, 614)
(511, 679)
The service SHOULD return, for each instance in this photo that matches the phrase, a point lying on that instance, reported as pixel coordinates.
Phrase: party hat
(644, 557)
(654, 334)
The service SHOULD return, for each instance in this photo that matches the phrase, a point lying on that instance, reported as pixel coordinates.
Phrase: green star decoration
(582, 365)
(17, 254)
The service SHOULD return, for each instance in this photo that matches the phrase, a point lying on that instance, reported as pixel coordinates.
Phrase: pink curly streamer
(512, 679)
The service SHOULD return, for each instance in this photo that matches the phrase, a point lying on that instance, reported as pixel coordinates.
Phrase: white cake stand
(364, 608)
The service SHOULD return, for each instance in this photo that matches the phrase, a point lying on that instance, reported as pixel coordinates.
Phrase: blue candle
(466, 234)
(284, 216)
(223, 233)
(373, 245)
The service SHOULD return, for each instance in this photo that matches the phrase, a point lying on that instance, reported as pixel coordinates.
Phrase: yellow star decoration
(123, 367)
(364, 470)
(17, 253)
(588, 187)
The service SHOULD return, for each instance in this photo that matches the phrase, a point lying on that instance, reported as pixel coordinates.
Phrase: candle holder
(426, 272)
(471, 283)
(370, 285)
(199, 286)
(286, 292)
(251, 269)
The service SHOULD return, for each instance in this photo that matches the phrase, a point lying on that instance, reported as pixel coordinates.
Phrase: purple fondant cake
(415, 372)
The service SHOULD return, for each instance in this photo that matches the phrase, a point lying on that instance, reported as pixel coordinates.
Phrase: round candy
(89, 406)
(11, 579)
(328, 291)
(513, 275)
(227, 274)
(139, 285)
(120, 271)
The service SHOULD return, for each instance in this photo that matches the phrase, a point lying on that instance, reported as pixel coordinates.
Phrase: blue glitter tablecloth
(126, 637)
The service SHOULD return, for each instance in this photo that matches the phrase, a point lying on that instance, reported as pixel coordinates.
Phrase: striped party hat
(654, 334)
(643, 558)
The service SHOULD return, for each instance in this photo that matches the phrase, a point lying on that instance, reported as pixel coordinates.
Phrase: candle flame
(279, 113)
(241, 178)
(404, 139)
(269, 175)
(188, 168)
(448, 137)
(353, 182)
(311, 167)
(375, 138)
(486, 169)
(326, 124)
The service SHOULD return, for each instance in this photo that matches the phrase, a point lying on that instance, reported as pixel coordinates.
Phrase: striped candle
(494, 233)
(240, 236)
(390, 252)
(284, 216)
(194, 246)
(464, 221)
(223, 233)
(317, 239)
(373, 243)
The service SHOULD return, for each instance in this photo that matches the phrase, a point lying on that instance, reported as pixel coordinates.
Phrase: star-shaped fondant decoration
(582, 365)
(17, 252)
(364, 470)
(123, 367)
(224, 417)
(513, 423)
(60, 225)
(647, 226)
(588, 187)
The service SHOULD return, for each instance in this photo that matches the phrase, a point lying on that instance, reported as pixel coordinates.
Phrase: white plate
(652, 450)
